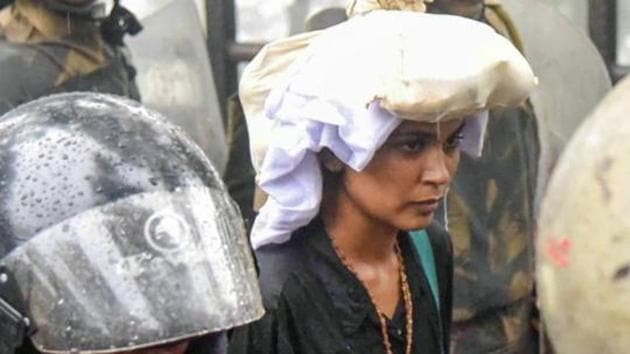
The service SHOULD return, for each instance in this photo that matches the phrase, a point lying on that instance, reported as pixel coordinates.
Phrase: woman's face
(408, 176)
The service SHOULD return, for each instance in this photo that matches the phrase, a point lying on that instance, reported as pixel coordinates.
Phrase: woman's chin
(417, 222)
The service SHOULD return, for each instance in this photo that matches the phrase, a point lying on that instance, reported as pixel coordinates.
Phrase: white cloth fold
(291, 173)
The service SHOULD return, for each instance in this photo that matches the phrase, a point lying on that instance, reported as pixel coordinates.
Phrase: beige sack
(419, 66)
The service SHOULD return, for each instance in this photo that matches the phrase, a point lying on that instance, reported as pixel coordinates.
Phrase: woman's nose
(436, 170)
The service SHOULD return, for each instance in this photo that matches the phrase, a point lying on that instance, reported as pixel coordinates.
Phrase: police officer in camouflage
(491, 220)
(49, 46)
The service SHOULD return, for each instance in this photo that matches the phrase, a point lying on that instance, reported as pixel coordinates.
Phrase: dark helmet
(115, 20)
(115, 230)
(95, 9)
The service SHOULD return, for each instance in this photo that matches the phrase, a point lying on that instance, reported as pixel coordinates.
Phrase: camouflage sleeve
(491, 220)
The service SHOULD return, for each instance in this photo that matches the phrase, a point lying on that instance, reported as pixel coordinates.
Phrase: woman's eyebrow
(415, 134)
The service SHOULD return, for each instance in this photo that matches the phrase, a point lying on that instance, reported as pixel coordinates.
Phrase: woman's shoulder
(285, 267)
(276, 264)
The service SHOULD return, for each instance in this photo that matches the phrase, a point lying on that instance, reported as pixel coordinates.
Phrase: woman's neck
(359, 236)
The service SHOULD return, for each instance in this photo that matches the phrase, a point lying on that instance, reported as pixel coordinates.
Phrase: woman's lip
(427, 206)
(429, 201)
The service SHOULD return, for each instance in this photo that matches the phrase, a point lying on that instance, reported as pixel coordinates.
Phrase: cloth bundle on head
(348, 87)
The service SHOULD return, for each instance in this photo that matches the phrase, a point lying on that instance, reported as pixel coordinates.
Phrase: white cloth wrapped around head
(348, 87)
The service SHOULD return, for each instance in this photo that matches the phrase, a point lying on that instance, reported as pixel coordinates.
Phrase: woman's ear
(330, 161)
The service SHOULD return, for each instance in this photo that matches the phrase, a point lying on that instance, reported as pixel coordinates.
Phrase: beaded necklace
(406, 292)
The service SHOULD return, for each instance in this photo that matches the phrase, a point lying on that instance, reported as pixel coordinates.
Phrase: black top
(316, 305)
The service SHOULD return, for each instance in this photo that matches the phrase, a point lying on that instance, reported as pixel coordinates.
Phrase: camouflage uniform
(490, 218)
(43, 52)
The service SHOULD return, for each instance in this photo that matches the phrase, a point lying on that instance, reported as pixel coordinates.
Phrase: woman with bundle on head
(356, 132)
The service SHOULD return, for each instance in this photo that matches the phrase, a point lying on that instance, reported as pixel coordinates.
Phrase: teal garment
(423, 246)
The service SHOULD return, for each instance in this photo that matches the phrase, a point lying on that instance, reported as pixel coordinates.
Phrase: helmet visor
(145, 270)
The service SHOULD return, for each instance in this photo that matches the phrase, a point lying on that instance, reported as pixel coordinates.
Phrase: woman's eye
(412, 146)
(453, 142)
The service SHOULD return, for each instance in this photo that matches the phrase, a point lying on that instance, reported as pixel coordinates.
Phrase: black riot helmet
(95, 9)
(116, 232)
(115, 20)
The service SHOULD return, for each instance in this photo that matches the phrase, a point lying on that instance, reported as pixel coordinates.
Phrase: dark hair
(325, 18)
(331, 178)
